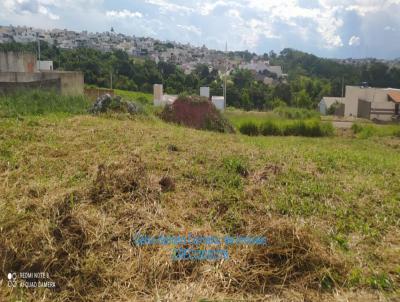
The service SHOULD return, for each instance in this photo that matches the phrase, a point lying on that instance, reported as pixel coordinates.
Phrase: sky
(327, 28)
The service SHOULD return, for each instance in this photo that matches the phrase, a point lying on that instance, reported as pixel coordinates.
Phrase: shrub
(357, 128)
(396, 133)
(270, 128)
(297, 128)
(249, 128)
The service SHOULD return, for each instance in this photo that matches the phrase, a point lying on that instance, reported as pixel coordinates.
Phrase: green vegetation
(311, 128)
(40, 102)
(369, 130)
(76, 187)
(282, 121)
(249, 128)
(296, 113)
(309, 77)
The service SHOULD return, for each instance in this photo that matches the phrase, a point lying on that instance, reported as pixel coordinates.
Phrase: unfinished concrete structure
(11, 61)
(18, 70)
(373, 103)
(161, 99)
(381, 104)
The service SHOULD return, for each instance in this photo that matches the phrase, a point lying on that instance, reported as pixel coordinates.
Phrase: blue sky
(341, 29)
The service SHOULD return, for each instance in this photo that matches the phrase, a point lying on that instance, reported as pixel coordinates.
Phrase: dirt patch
(198, 113)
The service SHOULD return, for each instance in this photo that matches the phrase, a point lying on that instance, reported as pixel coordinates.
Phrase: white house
(327, 102)
(372, 103)
(367, 102)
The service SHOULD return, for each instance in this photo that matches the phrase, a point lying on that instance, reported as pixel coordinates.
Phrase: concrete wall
(44, 65)
(378, 97)
(322, 107)
(48, 85)
(205, 92)
(70, 83)
(218, 102)
(382, 111)
(158, 94)
(17, 62)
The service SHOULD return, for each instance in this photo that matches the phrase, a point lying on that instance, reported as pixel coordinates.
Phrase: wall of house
(382, 111)
(322, 107)
(378, 97)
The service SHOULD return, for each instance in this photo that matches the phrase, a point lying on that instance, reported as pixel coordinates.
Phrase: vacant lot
(73, 188)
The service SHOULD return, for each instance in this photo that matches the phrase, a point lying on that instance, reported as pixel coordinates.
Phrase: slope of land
(73, 190)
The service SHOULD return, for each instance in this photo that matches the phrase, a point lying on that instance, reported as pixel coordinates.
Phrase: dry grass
(74, 190)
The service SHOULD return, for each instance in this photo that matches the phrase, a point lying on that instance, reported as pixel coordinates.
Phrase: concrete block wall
(12, 61)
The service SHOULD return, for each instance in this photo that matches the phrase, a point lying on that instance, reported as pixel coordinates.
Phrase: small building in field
(327, 102)
(218, 102)
(372, 103)
(45, 65)
(381, 104)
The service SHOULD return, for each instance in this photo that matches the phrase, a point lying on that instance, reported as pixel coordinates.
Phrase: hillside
(74, 188)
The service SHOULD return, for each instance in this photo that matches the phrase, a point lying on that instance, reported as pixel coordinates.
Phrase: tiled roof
(394, 96)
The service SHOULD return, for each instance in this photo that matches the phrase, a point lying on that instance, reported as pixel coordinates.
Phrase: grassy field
(75, 187)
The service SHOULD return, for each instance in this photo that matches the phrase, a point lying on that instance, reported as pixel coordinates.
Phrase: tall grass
(369, 130)
(309, 128)
(296, 113)
(36, 102)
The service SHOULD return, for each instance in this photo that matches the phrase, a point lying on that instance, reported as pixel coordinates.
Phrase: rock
(132, 108)
(102, 103)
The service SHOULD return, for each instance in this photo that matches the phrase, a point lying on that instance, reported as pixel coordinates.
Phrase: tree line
(309, 77)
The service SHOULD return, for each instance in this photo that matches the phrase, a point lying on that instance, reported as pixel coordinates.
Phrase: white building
(218, 102)
(372, 103)
(44, 65)
(327, 102)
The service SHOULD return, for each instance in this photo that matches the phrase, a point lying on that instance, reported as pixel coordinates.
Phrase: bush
(270, 128)
(249, 128)
(357, 128)
(396, 133)
(309, 128)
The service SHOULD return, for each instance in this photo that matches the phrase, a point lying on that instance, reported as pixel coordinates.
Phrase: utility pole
(38, 40)
(226, 71)
(342, 87)
(111, 79)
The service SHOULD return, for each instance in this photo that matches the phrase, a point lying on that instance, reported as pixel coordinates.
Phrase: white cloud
(45, 12)
(389, 28)
(123, 14)
(354, 41)
(190, 28)
(166, 6)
